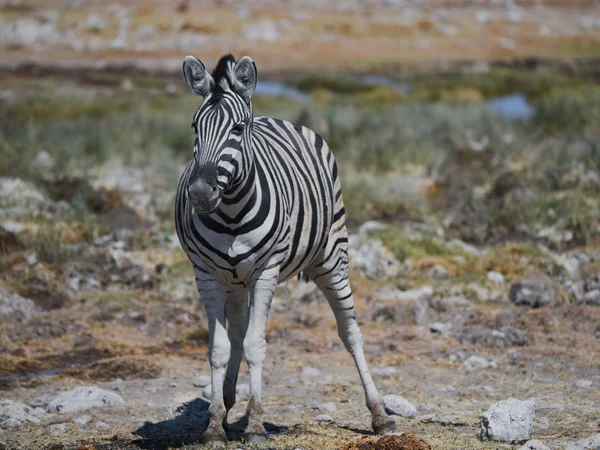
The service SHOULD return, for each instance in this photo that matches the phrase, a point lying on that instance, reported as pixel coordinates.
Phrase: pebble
(311, 373)
(593, 442)
(543, 423)
(57, 429)
(323, 419)
(82, 398)
(474, 363)
(533, 292)
(399, 406)
(497, 278)
(534, 444)
(325, 407)
(583, 384)
(16, 414)
(173, 384)
(508, 421)
(201, 381)
(82, 421)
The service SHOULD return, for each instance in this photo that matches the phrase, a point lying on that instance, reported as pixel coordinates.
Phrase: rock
(534, 445)
(201, 381)
(591, 297)
(95, 23)
(325, 407)
(145, 32)
(370, 225)
(384, 371)
(506, 336)
(497, 278)
(583, 384)
(438, 272)
(591, 443)
(373, 260)
(514, 15)
(16, 414)
(322, 419)
(533, 292)
(442, 420)
(19, 198)
(82, 421)
(15, 307)
(82, 398)
(399, 406)
(443, 329)
(475, 363)
(311, 373)
(483, 16)
(543, 423)
(57, 429)
(243, 391)
(207, 391)
(508, 421)
(262, 31)
(48, 16)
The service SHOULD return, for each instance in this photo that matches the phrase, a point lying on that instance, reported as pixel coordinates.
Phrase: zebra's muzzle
(205, 197)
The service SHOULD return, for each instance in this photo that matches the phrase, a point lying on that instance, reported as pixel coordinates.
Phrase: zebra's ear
(246, 77)
(198, 79)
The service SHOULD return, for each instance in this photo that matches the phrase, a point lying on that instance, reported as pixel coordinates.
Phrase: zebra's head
(223, 124)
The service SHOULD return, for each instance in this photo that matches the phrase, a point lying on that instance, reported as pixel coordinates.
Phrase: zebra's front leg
(236, 309)
(218, 354)
(255, 350)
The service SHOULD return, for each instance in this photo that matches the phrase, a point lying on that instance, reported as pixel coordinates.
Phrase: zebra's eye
(238, 128)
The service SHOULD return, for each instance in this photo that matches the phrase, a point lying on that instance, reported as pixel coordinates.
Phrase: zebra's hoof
(214, 439)
(254, 438)
(386, 427)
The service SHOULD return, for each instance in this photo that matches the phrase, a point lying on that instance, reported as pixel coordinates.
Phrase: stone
(475, 363)
(508, 421)
(82, 398)
(438, 272)
(497, 278)
(82, 421)
(322, 419)
(145, 32)
(57, 429)
(591, 443)
(591, 297)
(201, 381)
(534, 445)
(583, 384)
(533, 292)
(95, 23)
(206, 392)
(15, 307)
(370, 225)
(543, 423)
(243, 391)
(483, 16)
(311, 373)
(325, 407)
(399, 406)
(373, 260)
(16, 414)
(506, 336)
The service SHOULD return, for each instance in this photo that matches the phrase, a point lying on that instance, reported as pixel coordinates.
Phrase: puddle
(378, 80)
(43, 373)
(514, 107)
(278, 89)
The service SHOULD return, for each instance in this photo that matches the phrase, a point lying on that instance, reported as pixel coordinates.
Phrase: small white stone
(534, 445)
(583, 384)
(201, 381)
(399, 406)
(497, 278)
(325, 407)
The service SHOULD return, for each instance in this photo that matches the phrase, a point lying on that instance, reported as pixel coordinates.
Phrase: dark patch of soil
(124, 368)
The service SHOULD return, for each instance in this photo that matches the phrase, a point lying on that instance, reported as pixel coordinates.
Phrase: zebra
(259, 203)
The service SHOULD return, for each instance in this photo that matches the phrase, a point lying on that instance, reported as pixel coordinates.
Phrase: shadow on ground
(188, 427)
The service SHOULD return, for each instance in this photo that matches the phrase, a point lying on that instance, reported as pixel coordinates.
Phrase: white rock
(82, 421)
(534, 445)
(583, 384)
(145, 32)
(483, 16)
(325, 407)
(82, 398)
(543, 423)
(311, 373)
(508, 421)
(242, 391)
(323, 419)
(95, 23)
(206, 392)
(370, 225)
(43, 161)
(514, 15)
(15, 307)
(57, 429)
(201, 381)
(497, 278)
(399, 406)
(474, 363)
(591, 443)
(16, 414)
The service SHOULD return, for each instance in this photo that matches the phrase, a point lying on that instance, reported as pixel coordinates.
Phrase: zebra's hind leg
(331, 276)
(236, 307)
(218, 354)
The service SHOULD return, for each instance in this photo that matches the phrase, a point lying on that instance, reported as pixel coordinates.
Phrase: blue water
(43, 373)
(514, 107)
(378, 80)
(279, 89)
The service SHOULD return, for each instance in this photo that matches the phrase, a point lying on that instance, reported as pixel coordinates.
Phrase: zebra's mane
(223, 75)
